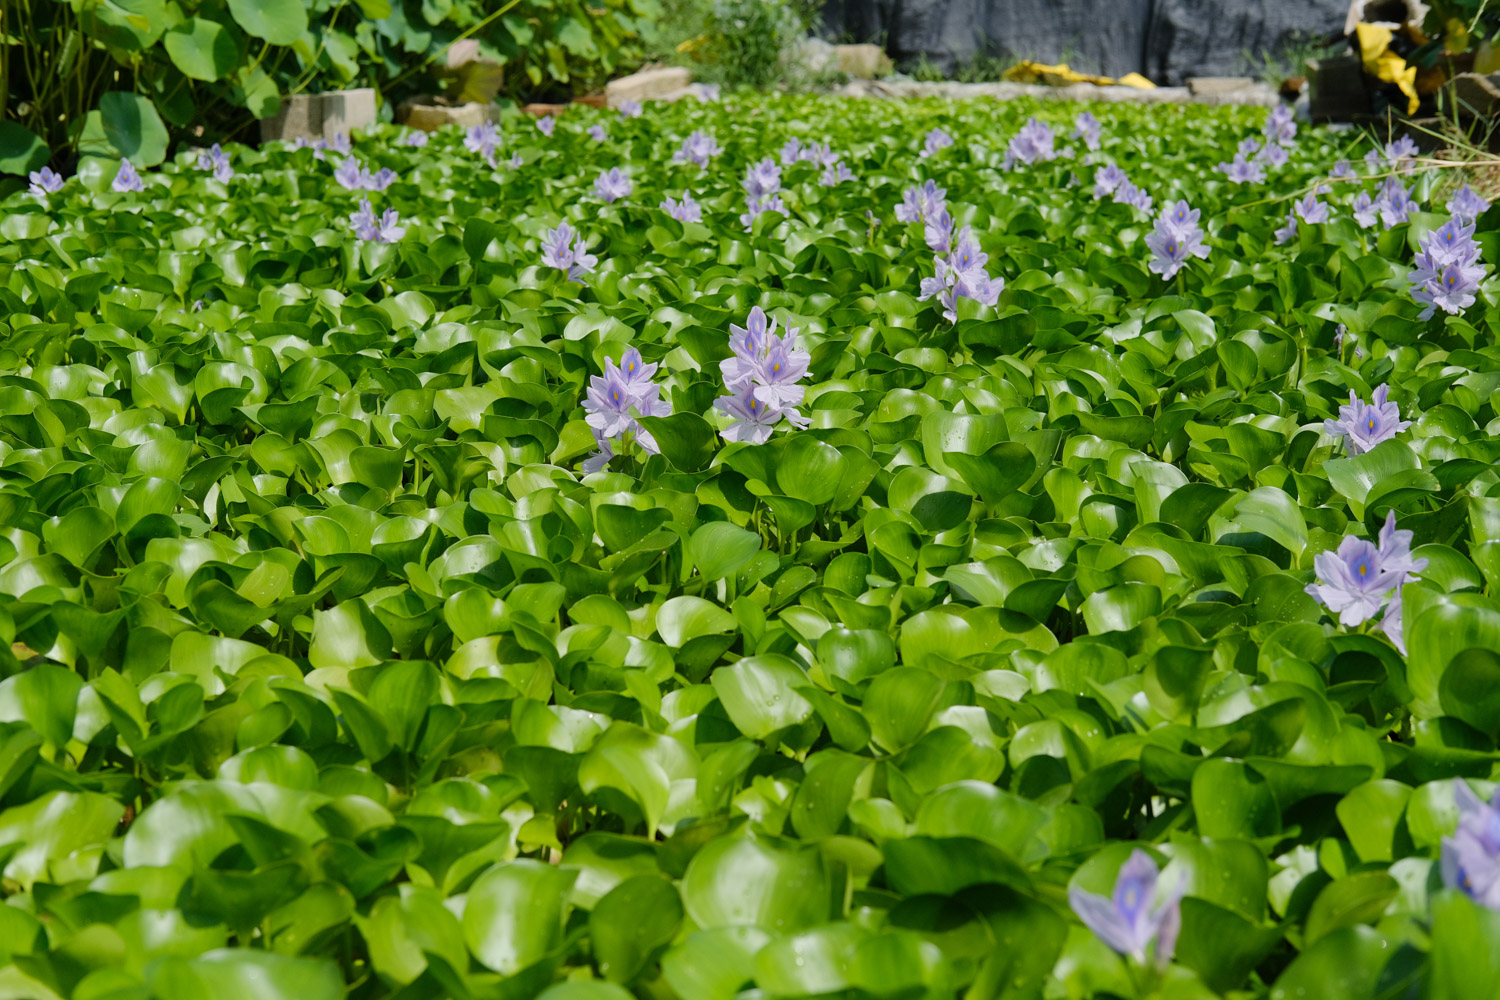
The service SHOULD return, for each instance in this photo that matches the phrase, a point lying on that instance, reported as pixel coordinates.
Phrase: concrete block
(1200, 85)
(431, 117)
(346, 110)
(300, 117)
(863, 62)
(647, 84)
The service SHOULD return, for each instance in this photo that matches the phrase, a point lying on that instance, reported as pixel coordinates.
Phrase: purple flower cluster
(45, 181)
(597, 133)
(1107, 180)
(629, 109)
(835, 174)
(1176, 239)
(415, 137)
(1364, 425)
(1467, 206)
(1280, 129)
(338, 144)
(708, 92)
(761, 379)
(817, 153)
(918, 204)
(960, 267)
(1086, 127)
(483, 139)
(1395, 203)
(354, 176)
(547, 124)
(1243, 169)
(1401, 154)
(1136, 915)
(698, 148)
(613, 405)
(384, 228)
(1360, 577)
(686, 210)
(128, 179)
(1471, 856)
(762, 191)
(567, 251)
(1308, 209)
(1035, 142)
(1128, 194)
(216, 160)
(1448, 269)
(612, 185)
(934, 141)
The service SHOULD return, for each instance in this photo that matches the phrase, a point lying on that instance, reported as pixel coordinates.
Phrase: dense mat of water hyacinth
(753, 549)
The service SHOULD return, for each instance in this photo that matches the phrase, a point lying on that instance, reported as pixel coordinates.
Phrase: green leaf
(133, 128)
(202, 49)
(631, 923)
(280, 22)
(23, 150)
(515, 913)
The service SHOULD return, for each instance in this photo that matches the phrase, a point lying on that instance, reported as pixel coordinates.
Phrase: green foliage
(327, 672)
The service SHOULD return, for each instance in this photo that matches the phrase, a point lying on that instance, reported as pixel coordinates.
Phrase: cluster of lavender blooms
(615, 402)
(1086, 127)
(935, 140)
(215, 159)
(338, 144)
(612, 185)
(1470, 858)
(960, 267)
(1364, 425)
(1033, 143)
(819, 154)
(1136, 915)
(629, 109)
(546, 125)
(1310, 210)
(127, 179)
(415, 137)
(918, 204)
(762, 191)
(1243, 169)
(354, 176)
(1359, 578)
(761, 380)
(483, 139)
(1176, 239)
(567, 251)
(1466, 206)
(1448, 269)
(384, 228)
(1111, 180)
(708, 92)
(686, 210)
(1393, 206)
(45, 181)
(698, 148)
(597, 132)
(1280, 128)
(1402, 153)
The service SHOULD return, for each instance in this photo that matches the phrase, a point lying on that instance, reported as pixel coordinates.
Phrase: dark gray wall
(1167, 40)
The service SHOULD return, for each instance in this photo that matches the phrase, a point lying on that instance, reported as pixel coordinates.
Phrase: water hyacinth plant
(761, 378)
(127, 178)
(1139, 920)
(613, 405)
(1176, 239)
(567, 251)
(612, 185)
(382, 228)
(1448, 270)
(1364, 425)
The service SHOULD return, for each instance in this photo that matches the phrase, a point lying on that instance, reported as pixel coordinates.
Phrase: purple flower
(1248, 147)
(1448, 270)
(1280, 128)
(753, 420)
(384, 229)
(384, 178)
(515, 162)
(1108, 179)
(1402, 153)
(1364, 425)
(791, 152)
(1243, 171)
(686, 210)
(708, 92)
(349, 175)
(1172, 245)
(763, 179)
(597, 133)
(1395, 203)
(1274, 155)
(1360, 576)
(1341, 171)
(770, 365)
(918, 203)
(415, 137)
(1181, 217)
(1365, 209)
(128, 179)
(1288, 232)
(935, 140)
(45, 181)
(1372, 159)
(339, 143)
(629, 109)
(1471, 856)
(938, 231)
(698, 148)
(835, 174)
(960, 272)
(1136, 915)
(1340, 334)
(1128, 194)
(1467, 205)
(755, 206)
(612, 185)
(546, 125)
(1086, 127)
(1310, 210)
(483, 139)
(216, 160)
(1034, 142)
(613, 404)
(566, 250)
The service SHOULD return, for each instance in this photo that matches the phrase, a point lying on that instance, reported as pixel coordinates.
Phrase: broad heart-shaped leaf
(813, 963)
(751, 881)
(245, 974)
(809, 470)
(994, 475)
(1470, 689)
(719, 549)
(1271, 512)
(515, 913)
(1346, 964)
(759, 693)
(202, 49)
(1353, 899)
(634, 920)
(280, 22)
(1220, 945)
(685, 439)
(133, 128)
(1357, 475)
(683, 619)
(21, 150)
(1465, 963)
(59, 836)
(45, 697)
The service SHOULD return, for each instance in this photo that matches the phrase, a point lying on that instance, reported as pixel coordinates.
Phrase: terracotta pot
(593, 100)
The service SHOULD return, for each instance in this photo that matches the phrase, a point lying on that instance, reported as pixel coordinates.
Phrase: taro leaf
(631, 923)
(134, 128)
(280, 22)
(24, 149)
(202, 49)
(515, 913)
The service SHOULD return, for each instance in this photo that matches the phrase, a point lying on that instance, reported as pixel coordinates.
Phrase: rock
(863, 62)
(811, 57)
(429, 117)
(1218, 84)
(647, 84)
(1190, 38)
(320, 116)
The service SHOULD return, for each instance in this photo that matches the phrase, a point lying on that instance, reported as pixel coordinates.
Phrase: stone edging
(1255, 95)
